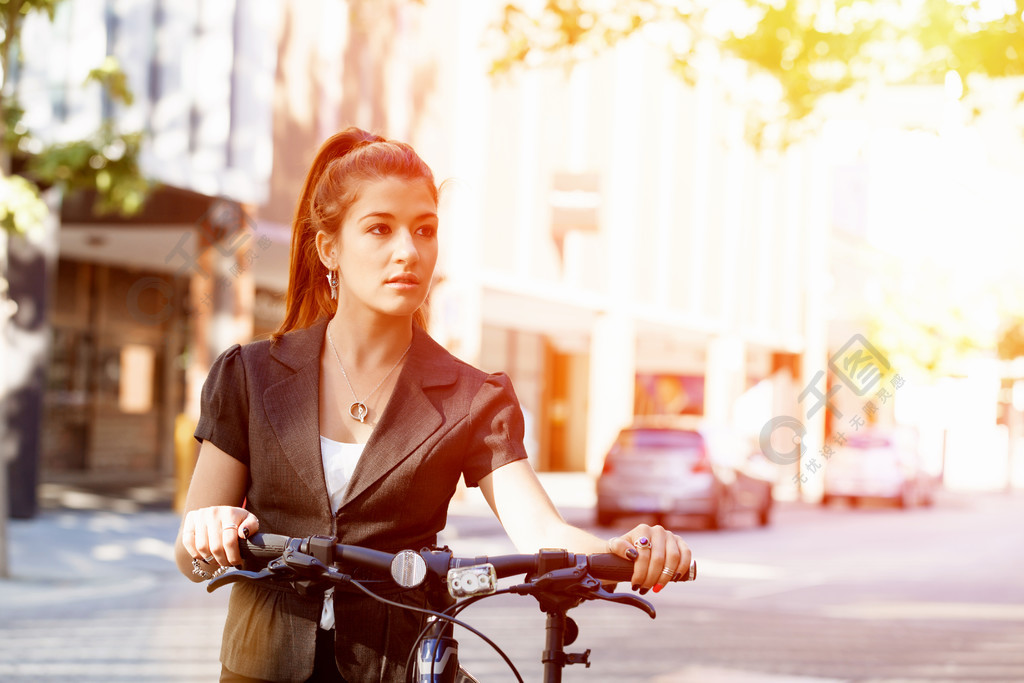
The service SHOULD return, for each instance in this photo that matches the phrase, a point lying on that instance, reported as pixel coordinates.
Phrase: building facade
(609, 239)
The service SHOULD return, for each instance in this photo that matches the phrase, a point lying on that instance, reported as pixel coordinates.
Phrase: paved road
(831, 594)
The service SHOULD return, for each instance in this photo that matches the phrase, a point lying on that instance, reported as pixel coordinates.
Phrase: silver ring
(693, 571)
(205, 575)
(233, 526)
(208, 560)
(199, 571)
(668, 572)
(642, 543)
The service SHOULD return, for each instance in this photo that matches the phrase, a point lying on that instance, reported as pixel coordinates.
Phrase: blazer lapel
(409, 417)
(292, 406)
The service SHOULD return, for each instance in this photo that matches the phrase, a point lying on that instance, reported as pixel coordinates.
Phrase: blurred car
(671, 470)
(883, 464)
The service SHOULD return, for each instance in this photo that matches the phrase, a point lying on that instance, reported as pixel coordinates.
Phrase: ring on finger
(668, 572)
(642, 543)
(231, 526)
(199, 571)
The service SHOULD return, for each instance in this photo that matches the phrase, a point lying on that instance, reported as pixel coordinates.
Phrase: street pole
(4, 504)
(5, 304)
(1015, 429)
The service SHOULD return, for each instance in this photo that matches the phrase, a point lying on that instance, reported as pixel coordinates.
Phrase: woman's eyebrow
(386, 215)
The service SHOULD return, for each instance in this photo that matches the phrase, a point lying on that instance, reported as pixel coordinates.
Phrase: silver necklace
(358, 410)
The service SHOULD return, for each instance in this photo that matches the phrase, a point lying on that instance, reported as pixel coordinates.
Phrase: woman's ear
(327, 250)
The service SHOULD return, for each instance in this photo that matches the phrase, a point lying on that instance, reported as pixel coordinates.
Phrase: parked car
(670, 470)
(883, 464)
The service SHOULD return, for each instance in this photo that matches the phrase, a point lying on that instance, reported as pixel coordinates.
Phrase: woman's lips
(404, 281)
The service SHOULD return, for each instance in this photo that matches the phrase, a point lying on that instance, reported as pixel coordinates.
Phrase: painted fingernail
(678, 576)
(245, 532)
(658, 587)
(632, 553)
(635, 586)
(643, 591)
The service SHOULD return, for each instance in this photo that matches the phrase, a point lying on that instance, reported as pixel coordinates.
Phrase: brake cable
(455, 610)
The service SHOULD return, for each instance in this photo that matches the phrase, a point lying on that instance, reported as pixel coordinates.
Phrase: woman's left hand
(658, 556)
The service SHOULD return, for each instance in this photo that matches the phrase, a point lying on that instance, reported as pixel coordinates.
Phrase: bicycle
(557, 579)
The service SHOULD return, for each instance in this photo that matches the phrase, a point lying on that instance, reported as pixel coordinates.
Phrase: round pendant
(358, 411)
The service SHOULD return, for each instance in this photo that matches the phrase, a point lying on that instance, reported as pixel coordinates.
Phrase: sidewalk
(65, 555)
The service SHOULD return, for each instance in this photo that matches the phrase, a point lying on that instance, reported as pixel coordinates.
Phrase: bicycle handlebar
(601, 566)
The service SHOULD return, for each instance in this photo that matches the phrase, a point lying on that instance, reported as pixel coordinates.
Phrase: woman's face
(386, 249)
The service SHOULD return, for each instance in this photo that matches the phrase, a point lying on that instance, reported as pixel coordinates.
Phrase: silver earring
(332, 280)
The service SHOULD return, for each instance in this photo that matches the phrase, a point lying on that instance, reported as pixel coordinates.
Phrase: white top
(340, 460)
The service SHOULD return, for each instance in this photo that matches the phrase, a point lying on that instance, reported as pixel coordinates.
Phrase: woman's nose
(405, 248)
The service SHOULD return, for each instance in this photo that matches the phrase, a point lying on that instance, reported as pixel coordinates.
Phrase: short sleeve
(497, 429)
(224, 407)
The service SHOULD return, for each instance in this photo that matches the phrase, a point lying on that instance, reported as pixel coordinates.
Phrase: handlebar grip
(267, 546)
(609, 567)
(270, 546)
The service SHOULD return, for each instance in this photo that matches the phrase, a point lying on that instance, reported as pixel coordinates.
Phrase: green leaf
(21, 207)
(113, 79)
(108, 163)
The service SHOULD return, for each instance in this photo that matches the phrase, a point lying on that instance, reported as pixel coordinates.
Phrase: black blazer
(445, 419)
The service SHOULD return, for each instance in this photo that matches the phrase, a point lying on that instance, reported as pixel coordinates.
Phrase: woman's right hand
(210, 534)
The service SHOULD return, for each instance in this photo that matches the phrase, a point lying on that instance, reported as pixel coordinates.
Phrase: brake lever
(291, 565)
(241, 575)
(600, 593)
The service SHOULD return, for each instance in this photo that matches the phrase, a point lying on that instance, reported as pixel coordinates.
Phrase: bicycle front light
(479, 579)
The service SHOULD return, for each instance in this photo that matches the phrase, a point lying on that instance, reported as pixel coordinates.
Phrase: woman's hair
(345, 161)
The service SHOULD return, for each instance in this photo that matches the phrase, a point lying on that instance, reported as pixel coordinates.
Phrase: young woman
(352, 422)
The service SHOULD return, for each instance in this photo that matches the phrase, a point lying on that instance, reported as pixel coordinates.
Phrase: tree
(106, 162)
(928, 330)
(798, 52)
(1011, 339)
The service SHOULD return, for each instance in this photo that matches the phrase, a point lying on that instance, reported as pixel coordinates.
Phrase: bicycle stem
(554, 656)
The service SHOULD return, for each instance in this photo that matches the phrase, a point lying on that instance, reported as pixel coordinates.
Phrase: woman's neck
(365, 342)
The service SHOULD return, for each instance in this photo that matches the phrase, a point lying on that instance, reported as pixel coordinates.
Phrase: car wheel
(826, 499)
(906, 499)
(719, 518)
(605, 517)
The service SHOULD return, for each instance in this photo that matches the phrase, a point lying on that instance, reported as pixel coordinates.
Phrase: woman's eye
(380, 229)
(427, 230)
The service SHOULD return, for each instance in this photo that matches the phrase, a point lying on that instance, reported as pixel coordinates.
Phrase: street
(823, 594)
